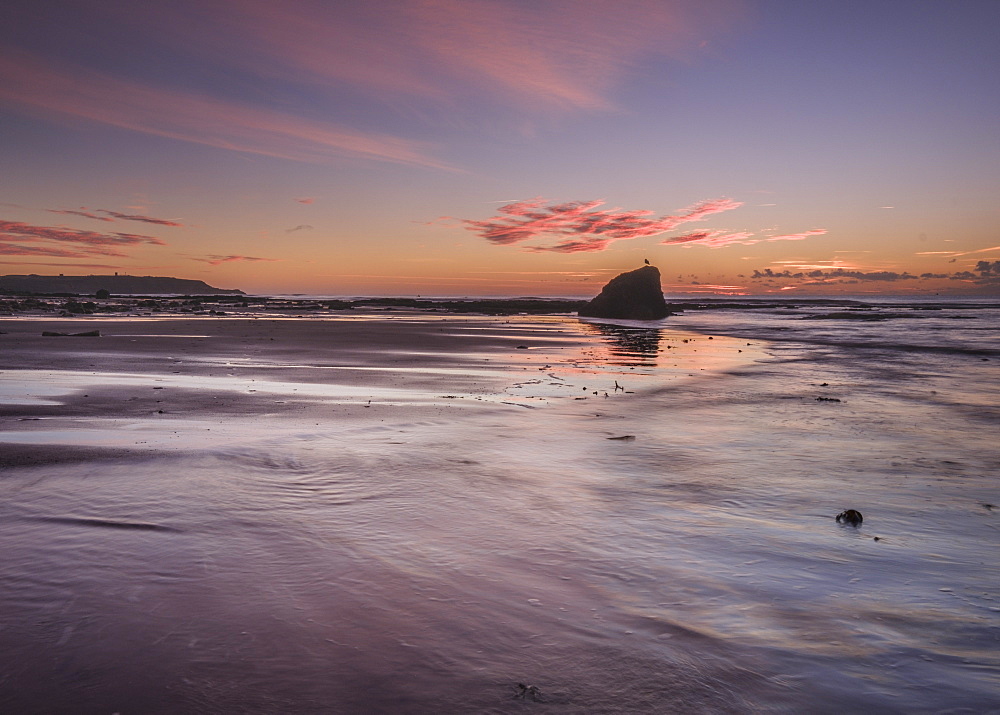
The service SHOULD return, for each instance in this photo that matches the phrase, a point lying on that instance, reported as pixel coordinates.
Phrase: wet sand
(407, 512)
(240, 371)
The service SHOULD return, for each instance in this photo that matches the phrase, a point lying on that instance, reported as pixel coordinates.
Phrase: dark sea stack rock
(635, 295)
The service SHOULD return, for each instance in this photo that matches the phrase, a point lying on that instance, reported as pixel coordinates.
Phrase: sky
(505, 147)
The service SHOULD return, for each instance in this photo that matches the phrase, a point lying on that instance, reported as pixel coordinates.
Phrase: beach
(409, 511)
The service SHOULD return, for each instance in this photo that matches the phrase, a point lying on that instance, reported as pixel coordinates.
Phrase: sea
(587, 517)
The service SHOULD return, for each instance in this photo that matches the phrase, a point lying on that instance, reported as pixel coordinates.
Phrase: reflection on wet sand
(629, 346)
(360, 516)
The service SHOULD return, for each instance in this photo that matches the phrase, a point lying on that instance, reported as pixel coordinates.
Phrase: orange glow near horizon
(501, 148)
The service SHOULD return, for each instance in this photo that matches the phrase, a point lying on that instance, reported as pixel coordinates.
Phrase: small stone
(851, 517)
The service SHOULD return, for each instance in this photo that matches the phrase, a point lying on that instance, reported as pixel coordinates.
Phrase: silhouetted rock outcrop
(635, 295)
(119, 285)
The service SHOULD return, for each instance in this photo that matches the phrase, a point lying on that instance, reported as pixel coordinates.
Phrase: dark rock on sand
(851, 517)
(635, 295)
(524, 692)
(87, 334)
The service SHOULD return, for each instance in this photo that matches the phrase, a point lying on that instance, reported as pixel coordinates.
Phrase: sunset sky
(505, 147)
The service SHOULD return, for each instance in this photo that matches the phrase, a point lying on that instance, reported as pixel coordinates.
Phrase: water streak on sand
(428, 551)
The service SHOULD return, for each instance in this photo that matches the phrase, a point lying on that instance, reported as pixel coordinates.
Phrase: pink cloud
(823, 265)
(797, 236)
(689, 237)
(11, 249)
(194, 118)
(712, 239)
(144, 219)
(13, 234)
(586, 246)
(306, 200)
(558, 55)
(81, 212)
(719, 239)
(956, 254)
(110, 216)
(59, 265)
(582, 225)
(566, 55)
(215, 260)
(27, 232)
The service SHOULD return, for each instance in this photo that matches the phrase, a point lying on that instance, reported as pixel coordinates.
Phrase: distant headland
(112, 284)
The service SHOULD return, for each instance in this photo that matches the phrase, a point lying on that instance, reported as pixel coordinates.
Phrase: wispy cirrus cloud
(215, 260)
(300, 227)
(958, 254)
(712, 239)
(797, 236)
(190, 117)
(14, 234)
(437, 61)
(15, 249)
(582, 226)
(25, 231)
(719, 239)
(540, 55)
(82, 211)
(548, 54)
(141, 218)
(821, 265)
(110, 216)
(306, 200)
(57, 265)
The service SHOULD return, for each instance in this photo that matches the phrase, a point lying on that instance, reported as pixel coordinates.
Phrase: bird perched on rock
(646, 260)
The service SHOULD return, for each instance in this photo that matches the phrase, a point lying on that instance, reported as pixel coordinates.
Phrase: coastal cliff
(114, 284)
